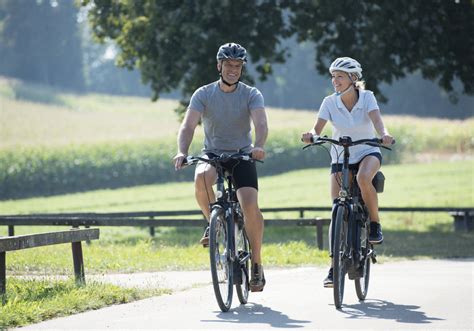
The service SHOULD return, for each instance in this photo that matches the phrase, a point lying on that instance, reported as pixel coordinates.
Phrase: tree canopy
(392, 38)
(174, 43)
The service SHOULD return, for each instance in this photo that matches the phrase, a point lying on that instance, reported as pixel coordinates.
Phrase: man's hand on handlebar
(258, 153)
(178, 160)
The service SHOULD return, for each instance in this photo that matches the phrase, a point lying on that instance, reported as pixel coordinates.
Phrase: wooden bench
(73, 236)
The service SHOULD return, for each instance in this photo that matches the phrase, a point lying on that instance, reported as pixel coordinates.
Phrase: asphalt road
(427, 294)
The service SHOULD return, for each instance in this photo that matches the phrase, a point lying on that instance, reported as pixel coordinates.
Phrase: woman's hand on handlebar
(387, 140)
(308, 137)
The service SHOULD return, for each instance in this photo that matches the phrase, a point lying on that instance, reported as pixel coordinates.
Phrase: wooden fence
(463, 218)
(74, 236)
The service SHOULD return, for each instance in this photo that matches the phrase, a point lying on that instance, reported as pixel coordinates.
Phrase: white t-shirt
(355, 124)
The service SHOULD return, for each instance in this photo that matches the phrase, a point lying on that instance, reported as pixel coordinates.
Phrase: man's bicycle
(351, 250)
(229, 247)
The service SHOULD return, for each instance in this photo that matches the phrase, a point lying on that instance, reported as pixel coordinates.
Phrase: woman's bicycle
(351, 250)
(229, 247)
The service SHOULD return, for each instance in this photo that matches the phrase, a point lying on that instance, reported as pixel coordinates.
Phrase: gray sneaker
(257, 283)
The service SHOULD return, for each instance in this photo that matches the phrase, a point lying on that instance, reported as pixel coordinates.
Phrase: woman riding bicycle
(353, 112)
(226, 108)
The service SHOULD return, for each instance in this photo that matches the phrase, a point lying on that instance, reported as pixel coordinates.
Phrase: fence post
(78, 263)
(3, 280)
(152, 228)
(319, 233)
(11, 230)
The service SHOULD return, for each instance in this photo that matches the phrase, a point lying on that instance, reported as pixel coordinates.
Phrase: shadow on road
(387, 310)
(258, 314)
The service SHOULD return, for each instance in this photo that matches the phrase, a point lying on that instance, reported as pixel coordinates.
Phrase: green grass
(437, 184)
(32, 301)
(433, 184)
(94, 118)
(100, 119)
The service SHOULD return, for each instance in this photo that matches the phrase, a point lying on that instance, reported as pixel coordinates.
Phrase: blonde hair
(360, 85)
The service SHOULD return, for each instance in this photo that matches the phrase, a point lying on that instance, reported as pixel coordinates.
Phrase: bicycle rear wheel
(243, 251)
(221, 266)
(340, 242)
(362, 284)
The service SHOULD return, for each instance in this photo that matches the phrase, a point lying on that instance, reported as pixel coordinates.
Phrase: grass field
(131, 249)
(36, 116)
(58, 118)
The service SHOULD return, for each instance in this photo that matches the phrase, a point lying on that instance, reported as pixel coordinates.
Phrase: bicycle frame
(225, 200)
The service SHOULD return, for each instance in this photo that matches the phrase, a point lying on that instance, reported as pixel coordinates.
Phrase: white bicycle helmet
(348, 65)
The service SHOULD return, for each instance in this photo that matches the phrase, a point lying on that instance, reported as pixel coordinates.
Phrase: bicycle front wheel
(243, 251)
(221, 265)
(340, 243)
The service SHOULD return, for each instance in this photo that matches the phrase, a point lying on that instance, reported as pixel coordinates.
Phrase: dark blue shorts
(337, 167)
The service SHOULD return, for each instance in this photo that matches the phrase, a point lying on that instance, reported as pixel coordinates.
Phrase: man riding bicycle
(226, 108)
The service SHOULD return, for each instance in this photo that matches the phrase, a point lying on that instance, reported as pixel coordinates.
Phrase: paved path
(428, 294)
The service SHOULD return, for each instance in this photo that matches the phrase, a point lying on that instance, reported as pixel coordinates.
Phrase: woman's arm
(316, 130)
(376, 119)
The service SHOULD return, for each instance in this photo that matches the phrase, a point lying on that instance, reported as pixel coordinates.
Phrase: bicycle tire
(221, 265)
(243, 249)
(362, 283)
(339, 268)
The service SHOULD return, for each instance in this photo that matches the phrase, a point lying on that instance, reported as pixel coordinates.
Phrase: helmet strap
(345, 91)
(227, 83)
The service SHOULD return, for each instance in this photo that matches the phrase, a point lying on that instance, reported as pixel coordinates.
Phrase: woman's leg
(367, 170)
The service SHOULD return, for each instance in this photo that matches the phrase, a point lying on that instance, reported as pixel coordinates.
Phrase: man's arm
(259, 119)
(185, 136)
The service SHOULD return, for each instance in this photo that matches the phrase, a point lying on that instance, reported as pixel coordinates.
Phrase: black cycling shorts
(337, 167)
(244, 173)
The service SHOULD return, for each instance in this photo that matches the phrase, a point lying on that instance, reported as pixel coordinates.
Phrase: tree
(392, 38)
(39, 42)
(174, 43)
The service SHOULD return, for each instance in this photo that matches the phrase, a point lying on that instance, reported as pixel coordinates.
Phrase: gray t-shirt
(226, 116)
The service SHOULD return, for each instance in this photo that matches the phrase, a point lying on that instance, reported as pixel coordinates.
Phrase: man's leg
(204, 177)
(248, 198)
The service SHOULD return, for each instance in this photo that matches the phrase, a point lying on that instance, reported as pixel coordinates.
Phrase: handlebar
(347, 142)
(191, 160)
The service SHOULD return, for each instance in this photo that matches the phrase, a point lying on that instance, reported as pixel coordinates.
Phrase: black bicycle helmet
(232, 51)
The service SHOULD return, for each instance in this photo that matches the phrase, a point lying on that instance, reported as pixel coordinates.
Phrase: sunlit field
(42, 116)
